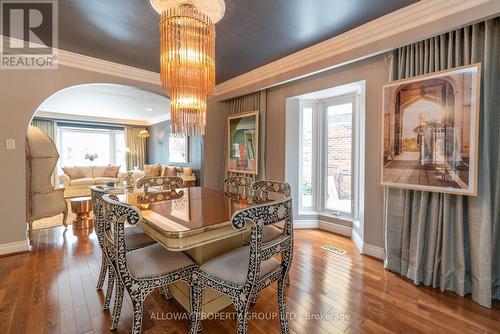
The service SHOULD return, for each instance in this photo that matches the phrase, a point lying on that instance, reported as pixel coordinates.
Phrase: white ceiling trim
(411, 17)
(83, 118)
(76, 60)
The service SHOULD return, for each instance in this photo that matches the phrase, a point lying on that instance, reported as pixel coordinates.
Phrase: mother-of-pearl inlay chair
(238, 187)
(142, 270)
(245, 271)
(134, 236)
(43, 200)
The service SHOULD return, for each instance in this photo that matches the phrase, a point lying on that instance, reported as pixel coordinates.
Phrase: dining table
(197, 221)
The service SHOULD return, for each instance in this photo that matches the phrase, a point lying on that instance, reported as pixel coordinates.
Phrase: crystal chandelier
(187, 59)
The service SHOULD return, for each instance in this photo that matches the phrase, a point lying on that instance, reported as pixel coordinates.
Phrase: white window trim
(319, 174)
(313, 209)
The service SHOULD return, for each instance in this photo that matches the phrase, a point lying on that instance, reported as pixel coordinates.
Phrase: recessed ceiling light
(149, 109)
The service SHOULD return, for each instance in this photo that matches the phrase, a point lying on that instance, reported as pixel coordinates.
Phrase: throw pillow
(170, 171)
(74, 173)
(152, 170)
(111, 171)
(188, 171)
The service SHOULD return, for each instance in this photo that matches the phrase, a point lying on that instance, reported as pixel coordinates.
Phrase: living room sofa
(92, 175)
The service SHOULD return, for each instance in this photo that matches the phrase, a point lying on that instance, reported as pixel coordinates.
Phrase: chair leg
(196, 301)
(137, 320)
(117, 305)
(242, 323)
(30, 231)
(165, 291)
(109, 289)
(253, 300)
(102, 273)
(65, 215)
(282, 305)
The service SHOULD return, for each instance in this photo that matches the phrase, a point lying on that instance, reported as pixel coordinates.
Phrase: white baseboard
(303, 224)
(374, 251)
(377, 252)
(357, 241)
(14, 247)
(335, 228)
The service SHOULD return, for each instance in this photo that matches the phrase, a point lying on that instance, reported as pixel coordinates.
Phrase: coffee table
(82, 207)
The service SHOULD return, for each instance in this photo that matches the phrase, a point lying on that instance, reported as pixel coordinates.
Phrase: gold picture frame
(430, 131)
(243, 143)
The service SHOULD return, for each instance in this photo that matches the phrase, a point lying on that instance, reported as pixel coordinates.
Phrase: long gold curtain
(251, 102)
(49, 127)
(136, 148)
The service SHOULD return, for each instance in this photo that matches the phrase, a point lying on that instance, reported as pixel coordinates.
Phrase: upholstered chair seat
(242, 273)
(233, 266)
(136, 238)
(155, 260)
(139, 271)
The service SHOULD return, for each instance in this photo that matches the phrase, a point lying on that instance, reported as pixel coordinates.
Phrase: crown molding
(119, 121)
(76, 60)
(375, 37)
(72, 117)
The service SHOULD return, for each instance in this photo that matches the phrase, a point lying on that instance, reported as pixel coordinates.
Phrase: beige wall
(214, 144)
(21, 92)
(374, 70)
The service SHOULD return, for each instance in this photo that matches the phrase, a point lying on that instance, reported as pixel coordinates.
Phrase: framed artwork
(430, 131)
(178, 149)
(243, 142)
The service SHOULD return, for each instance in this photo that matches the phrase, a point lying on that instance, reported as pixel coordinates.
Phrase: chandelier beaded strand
(187, 66)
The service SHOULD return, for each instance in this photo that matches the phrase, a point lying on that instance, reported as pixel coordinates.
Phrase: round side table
(82, 207)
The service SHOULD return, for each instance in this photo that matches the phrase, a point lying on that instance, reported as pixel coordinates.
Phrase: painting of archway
(430, 131)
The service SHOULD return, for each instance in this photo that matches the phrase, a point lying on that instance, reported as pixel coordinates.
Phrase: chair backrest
(115, 215)
(97, 192)
(262, 189)
(261, 215)
(238, 186)
(158, 188)
(41, 156)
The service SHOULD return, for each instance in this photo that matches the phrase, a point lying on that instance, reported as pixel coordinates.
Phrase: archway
(92, 127)
(21, 97)
(416, 116)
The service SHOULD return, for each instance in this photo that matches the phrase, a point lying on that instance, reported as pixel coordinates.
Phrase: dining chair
(158, 188)
(238, 187)
(265, 191)
(247, 270)
(261, 193)
(142, 270)
(134, 236)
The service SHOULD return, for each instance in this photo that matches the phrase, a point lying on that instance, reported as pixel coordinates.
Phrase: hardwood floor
(52, 290)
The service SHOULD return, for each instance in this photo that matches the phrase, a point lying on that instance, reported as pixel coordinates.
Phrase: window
(91, 147)
(328, 155)
(338, 192)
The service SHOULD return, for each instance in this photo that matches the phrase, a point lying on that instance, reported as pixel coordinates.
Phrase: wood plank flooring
(52, 290)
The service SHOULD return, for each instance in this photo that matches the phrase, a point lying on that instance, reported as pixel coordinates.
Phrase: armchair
(43, 200)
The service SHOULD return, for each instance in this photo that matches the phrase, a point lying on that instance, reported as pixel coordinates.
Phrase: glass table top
(195, 210)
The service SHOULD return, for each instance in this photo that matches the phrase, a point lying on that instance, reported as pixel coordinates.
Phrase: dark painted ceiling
(251, 34)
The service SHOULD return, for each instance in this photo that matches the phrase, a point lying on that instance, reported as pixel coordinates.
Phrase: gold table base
(82, 207)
